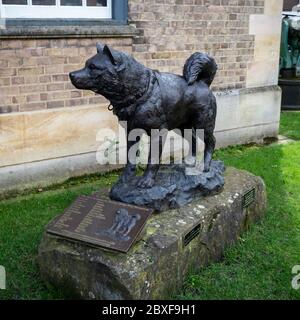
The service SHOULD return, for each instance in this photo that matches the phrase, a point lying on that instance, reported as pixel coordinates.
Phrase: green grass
(290, 125)
(257, 267)
(21, 226)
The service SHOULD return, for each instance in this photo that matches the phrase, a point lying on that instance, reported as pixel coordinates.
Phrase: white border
(57, 11)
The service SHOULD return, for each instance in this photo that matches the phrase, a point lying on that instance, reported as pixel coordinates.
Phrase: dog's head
(102, 73)
(122, 213)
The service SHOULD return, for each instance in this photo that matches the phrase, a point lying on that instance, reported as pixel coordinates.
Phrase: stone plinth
(173, 243)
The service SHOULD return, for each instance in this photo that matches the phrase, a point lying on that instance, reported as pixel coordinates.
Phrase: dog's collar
(131, 103)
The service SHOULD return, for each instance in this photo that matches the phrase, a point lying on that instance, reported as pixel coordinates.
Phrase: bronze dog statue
(147, 99)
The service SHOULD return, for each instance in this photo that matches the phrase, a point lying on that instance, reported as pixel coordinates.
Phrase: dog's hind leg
(194, 142)
(206, 120)
(210, 143)
(130, 168)
(148, 178)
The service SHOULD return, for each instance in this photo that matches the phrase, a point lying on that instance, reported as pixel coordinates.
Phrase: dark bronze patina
(147, 99)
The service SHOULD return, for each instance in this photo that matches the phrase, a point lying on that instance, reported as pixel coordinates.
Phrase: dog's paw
(206, 168)
(125, 178)
(146, 182)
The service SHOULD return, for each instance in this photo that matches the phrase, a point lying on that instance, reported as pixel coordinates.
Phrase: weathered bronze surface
(147, 99)
(100, 222)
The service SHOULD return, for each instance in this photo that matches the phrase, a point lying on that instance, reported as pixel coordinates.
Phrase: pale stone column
(263, 70)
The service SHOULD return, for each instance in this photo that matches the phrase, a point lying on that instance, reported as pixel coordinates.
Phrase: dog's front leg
(128, 172)
(148, 178)
(130, 168)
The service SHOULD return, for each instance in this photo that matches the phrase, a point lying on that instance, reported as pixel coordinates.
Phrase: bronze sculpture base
(173, 188)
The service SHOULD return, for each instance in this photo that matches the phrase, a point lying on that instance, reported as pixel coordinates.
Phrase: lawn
(259, 266)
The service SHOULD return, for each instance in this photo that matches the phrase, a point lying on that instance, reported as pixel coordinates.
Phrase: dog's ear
(99, 47)
(109, 54)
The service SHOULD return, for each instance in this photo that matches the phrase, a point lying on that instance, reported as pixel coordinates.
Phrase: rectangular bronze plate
(99, 222)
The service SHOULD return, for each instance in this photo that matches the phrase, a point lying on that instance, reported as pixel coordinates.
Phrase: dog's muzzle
(72, 76)
(79, 79)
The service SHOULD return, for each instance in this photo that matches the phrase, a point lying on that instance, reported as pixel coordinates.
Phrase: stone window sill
(83, 28)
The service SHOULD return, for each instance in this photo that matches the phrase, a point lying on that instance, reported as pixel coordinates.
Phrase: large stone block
(34, 136)
(248, 115)
(265, 24)
(264, 67)
(262, 73)
(273, 7)
(173, 243)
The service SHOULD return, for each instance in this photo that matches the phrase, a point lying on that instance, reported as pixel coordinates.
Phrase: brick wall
(173, 29)
(34, 73)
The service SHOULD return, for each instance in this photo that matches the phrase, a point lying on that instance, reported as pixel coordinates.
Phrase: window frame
(49, 28)
(57, 11)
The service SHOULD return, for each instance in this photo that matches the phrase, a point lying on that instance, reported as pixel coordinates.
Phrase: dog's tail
(200, 66)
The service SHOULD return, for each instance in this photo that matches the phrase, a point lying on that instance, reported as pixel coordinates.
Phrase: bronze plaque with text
(100, 222)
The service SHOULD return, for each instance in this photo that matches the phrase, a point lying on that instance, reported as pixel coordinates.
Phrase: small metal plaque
(248, 198)
(191, 234)
(99, 222)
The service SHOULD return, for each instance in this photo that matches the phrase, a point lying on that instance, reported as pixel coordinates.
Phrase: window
(56, 9)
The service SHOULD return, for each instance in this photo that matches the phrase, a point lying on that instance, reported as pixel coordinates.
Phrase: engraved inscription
(101, 222)
(95, 213)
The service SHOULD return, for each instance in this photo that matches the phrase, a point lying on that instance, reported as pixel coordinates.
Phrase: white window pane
(43, 2)
(71, 2)
(62, 9)
(96, 3)
(14, 1)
